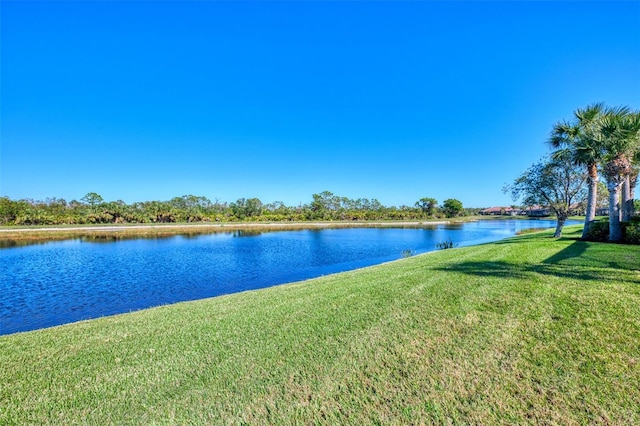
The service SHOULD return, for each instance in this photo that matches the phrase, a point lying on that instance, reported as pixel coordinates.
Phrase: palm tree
(580, 140)
(619, 130)
(629, 184)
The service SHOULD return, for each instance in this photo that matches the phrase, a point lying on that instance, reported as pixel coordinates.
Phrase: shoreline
(222, 226)
(33, 234)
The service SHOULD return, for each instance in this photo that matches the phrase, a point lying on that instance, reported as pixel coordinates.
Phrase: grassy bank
(528, 330)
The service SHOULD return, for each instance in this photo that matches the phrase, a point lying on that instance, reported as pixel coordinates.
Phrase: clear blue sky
(279, 100)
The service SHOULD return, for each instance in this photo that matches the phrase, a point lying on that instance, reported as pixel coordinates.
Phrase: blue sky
(279, 100)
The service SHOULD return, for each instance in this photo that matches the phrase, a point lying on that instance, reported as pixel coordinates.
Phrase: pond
(66, 281)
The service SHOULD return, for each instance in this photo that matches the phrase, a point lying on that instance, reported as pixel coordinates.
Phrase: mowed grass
(528, 330)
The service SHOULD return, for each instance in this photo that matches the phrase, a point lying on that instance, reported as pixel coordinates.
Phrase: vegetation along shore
(526, 330)
(93, 209)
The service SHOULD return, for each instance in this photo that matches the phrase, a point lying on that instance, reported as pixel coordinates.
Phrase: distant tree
(325, 205)
(9, 210)
(276, 207)
(159, 211)
(602, 200)
(427, 205)
(246, 208)
(190, 208)
(116, 212)
(629, 187)
(471, 211)
(557, 183)
(237, 208)
(92, 199)
(452, 207)
(253, 207)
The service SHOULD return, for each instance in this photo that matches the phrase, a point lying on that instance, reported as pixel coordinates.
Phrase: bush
(446, 245)
(631, 232)
(407, 253)
(599, 230)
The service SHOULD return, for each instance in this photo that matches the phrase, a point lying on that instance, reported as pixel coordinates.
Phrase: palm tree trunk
(627, 201)
(630, 203)
(592, 197)
(615, 231)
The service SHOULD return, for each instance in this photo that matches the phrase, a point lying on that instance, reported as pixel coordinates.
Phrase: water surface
(65, 281)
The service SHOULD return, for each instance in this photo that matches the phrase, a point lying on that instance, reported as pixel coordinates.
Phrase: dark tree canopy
(452, 207)
(92, 199)
(427, 205)
(191, 208)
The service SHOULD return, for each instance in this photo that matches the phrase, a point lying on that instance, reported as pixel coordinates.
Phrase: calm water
(61, 282)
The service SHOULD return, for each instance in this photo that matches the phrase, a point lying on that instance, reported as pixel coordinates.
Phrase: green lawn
(528, 330)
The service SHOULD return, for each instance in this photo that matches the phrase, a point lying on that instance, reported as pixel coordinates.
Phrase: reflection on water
(246, 233)
(71, 280)
(9, 244)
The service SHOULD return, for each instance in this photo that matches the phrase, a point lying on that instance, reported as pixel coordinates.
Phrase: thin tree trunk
(615, 231)
(561, 216)
(590, 214)
(559, 226)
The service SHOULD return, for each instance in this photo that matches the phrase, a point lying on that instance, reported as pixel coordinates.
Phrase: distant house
(537, 211)
(500, 211)
(494, 211)
(578, 209)
(532, 211)
(543, 211)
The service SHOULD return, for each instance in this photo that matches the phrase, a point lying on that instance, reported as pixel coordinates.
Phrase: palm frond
(618, 111)
(590, 112)
(563, 134)
(562, 154)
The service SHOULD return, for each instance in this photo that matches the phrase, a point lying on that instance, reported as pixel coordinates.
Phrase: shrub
(446, 245)
(407, 253)
(631, 232)
(599, 230)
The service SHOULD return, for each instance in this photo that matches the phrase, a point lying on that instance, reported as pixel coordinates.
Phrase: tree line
(598, 142)
(324, 206)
